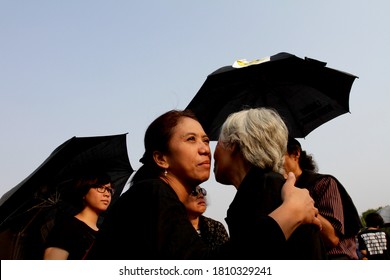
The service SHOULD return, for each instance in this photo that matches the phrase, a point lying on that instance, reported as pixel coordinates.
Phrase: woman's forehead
(188, 126)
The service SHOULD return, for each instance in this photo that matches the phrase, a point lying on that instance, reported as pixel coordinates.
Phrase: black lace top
(212, 232)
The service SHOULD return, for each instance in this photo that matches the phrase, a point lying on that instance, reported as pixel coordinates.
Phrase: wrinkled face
(97, 200)
(222, 163)
(189, 157)
(196, 203)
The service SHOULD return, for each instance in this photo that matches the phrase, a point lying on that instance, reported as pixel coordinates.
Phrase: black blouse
(71, 235)
(257, 196)
(149, 222)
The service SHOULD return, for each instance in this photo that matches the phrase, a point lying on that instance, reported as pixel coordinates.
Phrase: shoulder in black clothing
(257, 196)
(352, 220)
(148, 222)
(72, 235)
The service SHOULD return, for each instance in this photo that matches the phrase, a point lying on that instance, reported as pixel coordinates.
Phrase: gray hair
(261, 136)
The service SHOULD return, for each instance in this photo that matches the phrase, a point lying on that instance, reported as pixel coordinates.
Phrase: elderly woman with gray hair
(250, 155)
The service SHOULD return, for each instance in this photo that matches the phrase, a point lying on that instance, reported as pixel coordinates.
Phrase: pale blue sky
(86, 68)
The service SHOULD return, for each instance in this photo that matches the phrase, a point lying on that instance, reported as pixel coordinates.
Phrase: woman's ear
(235, 148)
(295, 156)
(160, 160)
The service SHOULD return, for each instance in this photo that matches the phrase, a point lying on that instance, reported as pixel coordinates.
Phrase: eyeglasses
(198, 191)
(102, 189)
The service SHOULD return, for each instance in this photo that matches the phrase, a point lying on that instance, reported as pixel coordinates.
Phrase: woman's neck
(242, 167)
(373, 228)
(89, 217)
(297, 172)
(194, 221)
(181, 190)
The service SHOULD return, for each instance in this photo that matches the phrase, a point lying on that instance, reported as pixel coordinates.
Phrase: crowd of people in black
(283, 208)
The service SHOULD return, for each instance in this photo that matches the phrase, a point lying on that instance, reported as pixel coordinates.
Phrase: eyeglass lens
(102, 189)
(198, 191)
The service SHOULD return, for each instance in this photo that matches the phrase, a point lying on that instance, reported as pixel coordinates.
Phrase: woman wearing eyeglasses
(212, 232)
(150, 222)
(72, 236)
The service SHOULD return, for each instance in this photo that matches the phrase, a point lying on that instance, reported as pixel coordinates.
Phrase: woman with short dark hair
(72, 236)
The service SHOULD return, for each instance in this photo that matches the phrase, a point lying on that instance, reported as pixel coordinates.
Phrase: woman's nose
(204, 148)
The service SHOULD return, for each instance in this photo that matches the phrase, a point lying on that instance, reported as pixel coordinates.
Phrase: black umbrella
(304, 92)
(27, 211)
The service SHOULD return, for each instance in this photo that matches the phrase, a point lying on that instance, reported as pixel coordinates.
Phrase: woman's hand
(300, 202)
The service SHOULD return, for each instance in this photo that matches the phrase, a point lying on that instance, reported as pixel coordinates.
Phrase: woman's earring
(165, 173)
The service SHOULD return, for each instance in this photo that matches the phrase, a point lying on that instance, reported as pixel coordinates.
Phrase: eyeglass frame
(198, 190)
(103, 189)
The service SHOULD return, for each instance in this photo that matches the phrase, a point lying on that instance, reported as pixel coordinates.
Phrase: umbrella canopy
(305, 92)
(27, 211)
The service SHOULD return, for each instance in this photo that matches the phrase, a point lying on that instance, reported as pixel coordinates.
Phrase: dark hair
(306, 161)
(83, 183)
(374, 220)
(156, 138)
